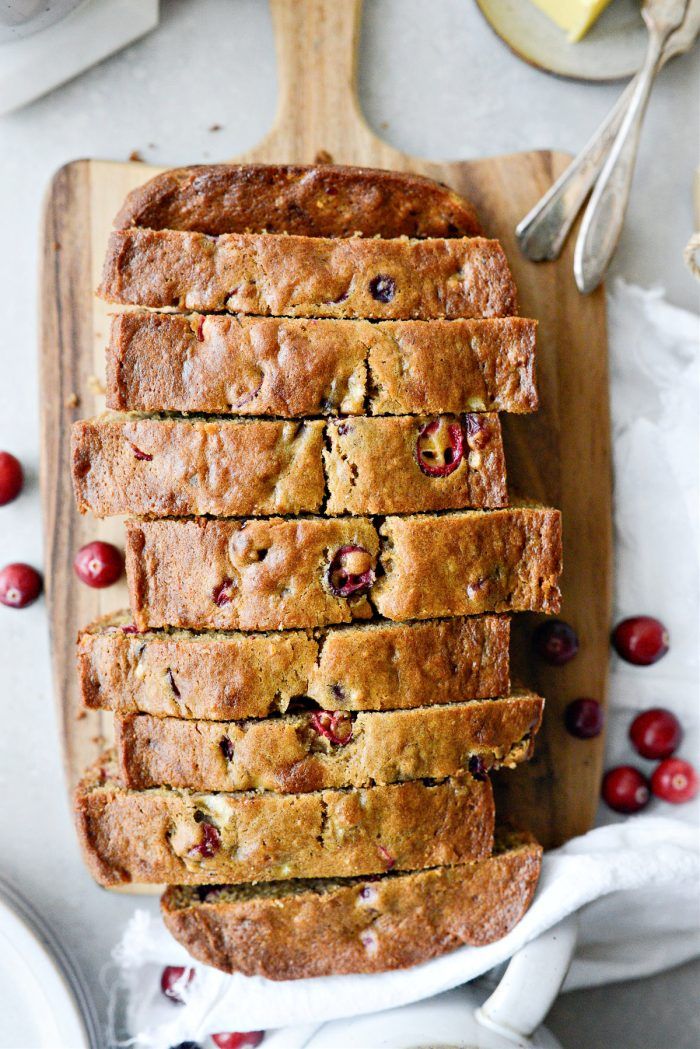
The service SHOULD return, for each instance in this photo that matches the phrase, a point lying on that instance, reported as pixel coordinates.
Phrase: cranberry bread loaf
(182, 837)
(301, 929)
(324, 200)
(219, 364)
(280, 573)
(465, 563)
(269, 274)
(373, 666)
(321, 749)
(168, 466)
(159, 466)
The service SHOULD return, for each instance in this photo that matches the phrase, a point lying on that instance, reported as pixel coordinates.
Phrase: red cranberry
(350, 572)
(656, 733)
(20, 585)
(238, 1040)
(675, 780)
(210, 841)
(556, 642)
(173, 975)
(200, 329)
(641, 640)
(382, 288)
(11, 478)
(625, 789)
(139, 454)
(584, 718)
(440, 447)
(477, 431)
(335, 725)
(389, 860)
(223, 593)
(98, 564)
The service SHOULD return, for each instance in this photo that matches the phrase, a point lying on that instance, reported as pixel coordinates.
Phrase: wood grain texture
(561, 455)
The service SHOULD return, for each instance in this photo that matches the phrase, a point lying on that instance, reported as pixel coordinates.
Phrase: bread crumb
(95, 385)
(136, 156)
(323, 157)
(216, 127)
(72, 400)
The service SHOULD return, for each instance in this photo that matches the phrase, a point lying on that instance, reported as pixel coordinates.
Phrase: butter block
(574, 16)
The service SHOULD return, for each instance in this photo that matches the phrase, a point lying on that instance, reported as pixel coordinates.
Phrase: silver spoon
(543, 232)
(604, 216)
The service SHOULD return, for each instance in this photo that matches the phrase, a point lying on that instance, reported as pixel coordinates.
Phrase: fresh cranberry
(173, 975)
(20, 585)
(584, 718)
(335, 725)
(641, 640)
(209, 843)
(11, 478)
(440, 447)
(350, 572)
(98, 564)
(656, 733)
(625, 789)
(556, 642)
(382, 288)
(238, 1040)
(675, 780)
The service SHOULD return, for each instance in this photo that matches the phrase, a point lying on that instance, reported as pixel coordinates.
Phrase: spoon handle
(541, 234)
(604, 216)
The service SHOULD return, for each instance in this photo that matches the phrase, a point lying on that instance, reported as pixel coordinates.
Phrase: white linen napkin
(633, 880)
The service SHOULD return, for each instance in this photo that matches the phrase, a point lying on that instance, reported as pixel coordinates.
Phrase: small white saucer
(612, 50)
(43, 1001)
(34, 65)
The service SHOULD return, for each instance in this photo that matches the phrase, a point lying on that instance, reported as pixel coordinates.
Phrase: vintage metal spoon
(543, 232)
(604, 216)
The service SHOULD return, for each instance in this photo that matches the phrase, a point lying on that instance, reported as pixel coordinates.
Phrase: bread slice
(293, 367)
(296, 930)
(279, 573)
(465, 563)
(159, 466)
(269, 274)
(323, 200)
(182, 837)
(319, 750)
(230, 676)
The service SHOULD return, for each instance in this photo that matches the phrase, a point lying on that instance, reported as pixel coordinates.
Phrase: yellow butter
(574, 16)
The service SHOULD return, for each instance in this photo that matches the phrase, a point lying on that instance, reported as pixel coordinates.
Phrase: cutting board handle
(318, 115)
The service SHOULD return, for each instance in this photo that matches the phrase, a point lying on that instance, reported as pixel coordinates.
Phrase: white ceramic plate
(613, 49)
(43, 1003)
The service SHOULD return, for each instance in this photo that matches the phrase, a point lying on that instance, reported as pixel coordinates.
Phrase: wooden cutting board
(560, 456)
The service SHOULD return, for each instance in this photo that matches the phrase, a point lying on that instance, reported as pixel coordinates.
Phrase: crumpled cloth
(633, 881)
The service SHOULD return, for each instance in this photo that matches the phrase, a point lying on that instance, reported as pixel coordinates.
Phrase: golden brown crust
(291, 754)
(157, 466)
(466, 563)
(179, 837)
(317, 201)
(295, 367)
(233, 676)
(372, 466)
(356, 927)
(226, 574)
(268, 274)
(275, 573)
(161, 467)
